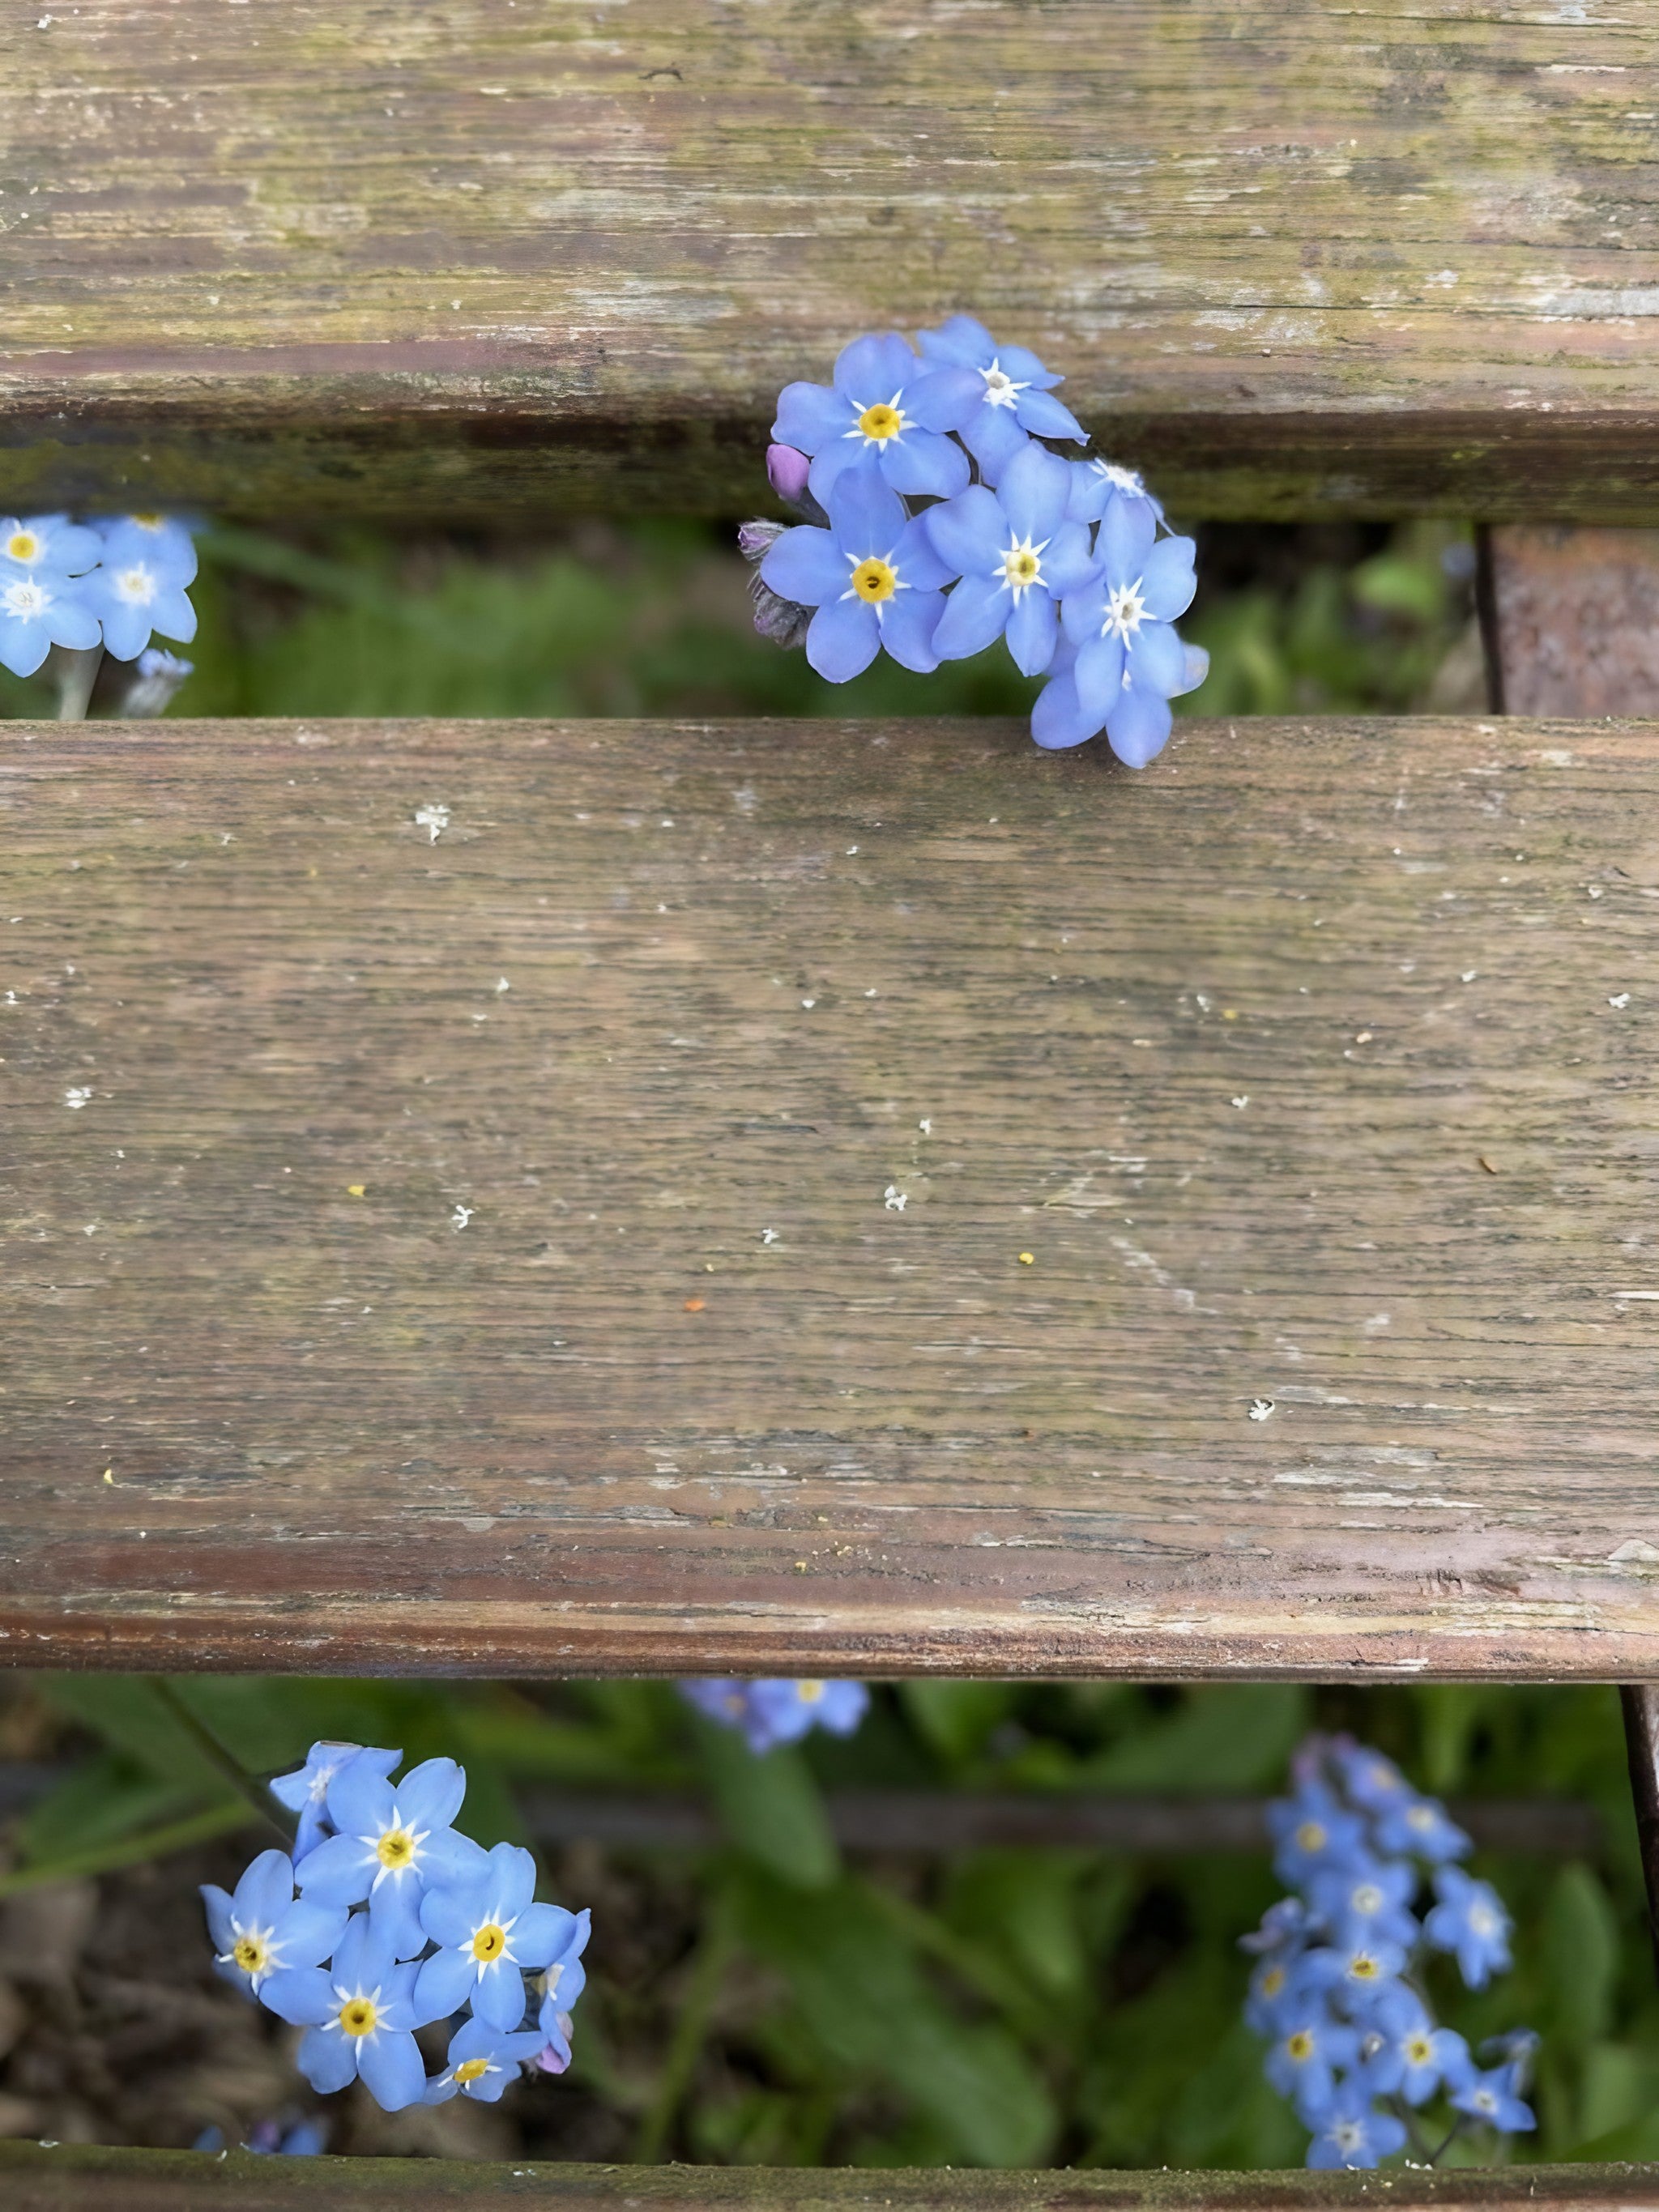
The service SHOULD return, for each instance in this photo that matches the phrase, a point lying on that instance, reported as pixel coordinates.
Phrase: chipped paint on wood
(688, 1394)
(296, 257)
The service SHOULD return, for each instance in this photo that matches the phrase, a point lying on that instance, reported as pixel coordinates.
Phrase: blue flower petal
(540, 1932)
(917, 563)
(975, 615)
(805, 566)
(443, 1985)
(872, 369)
(842, 640)
(449, 1857)
(1137, 727)
(218, 1903)
(1031, 631)
(1127, 531)
(390, 2066)
(1157, 659)
(960, 339)
(906, 631)
(23, 645)
(1068, 561)
(174, 615)
(266, 1889)
(811, 417)
(943, 399)
(1033, 491)
(328, 2060)
(499, 1997)
(338, 1872)
(302, 1995)
(967, 532)
(1059, 720)
(993, 437)
(394, 1916)
(360, 1799)
(1082, 613)
(1099, 673)
(429, 1796)
(923, 465)
(866, 515)
(307, 1934)
(1041, 414)
(1167, 581)
(1020, 363)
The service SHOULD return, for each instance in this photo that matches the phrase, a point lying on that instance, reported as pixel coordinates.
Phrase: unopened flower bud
(787, 471)
(780, 620)
(757, 538)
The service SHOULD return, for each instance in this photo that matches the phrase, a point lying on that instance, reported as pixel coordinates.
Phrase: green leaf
(768, 1806)
(1581, 1945)
(955, 1718)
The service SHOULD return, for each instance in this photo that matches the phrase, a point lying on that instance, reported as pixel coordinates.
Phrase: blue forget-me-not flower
(872, 575)
(139, 585)
(1014, 401)
(1016, 555)
(1470, 1922)
(360, 1981)
(1337, 1990)
(389, 1843)
(305, 1791)
(49, 543)
(491, 1934)
(260, 1928)
(770, 1712)
(1130, 663)
(885, 407)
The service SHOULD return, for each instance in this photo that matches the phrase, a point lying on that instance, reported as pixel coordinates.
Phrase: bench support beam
(1640, 1701)
(1571, 620)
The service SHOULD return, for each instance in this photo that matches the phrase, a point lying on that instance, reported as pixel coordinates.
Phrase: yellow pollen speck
(809, 1692)
(358, 2016)
(873, 580)
(1027, 1258)
(1230, 1013)
(489, 1943)
(881, 423)
(356, 1189)
(471, 2070)
(396, 1849)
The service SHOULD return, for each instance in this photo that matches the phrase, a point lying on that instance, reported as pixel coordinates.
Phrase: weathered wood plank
(296, 257)
(1572, 619)
(585, 1227)
(84, 2177)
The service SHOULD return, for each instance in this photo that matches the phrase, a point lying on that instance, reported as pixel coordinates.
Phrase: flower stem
(130, 1850)
(223, 1759)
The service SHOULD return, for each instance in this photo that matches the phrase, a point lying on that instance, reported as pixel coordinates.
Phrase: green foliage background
(989, 2006)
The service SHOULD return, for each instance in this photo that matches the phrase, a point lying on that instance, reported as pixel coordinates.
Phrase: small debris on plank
(1260, 1409)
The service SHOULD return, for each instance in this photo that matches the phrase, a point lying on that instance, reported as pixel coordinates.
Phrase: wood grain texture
(484, 1251)
(1572, 619)
(86, 2178)
(489, 257)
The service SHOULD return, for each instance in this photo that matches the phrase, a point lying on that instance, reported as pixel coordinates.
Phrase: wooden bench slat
(483, 1252)
(296, 258)
(84, 2177)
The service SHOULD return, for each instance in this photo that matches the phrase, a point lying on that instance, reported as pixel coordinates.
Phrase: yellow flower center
(1299, 2046)
(1419, 1818)
(1272, 1981)
(23, 545)
(396, 1849)
(1365, 1968)
(1420, 2051)
(471, 2070)
(881, 423)
(809, 1692)
(358, 2016)
(489, 1943)
(148, 522)
(873, 580)
(1310, 1836)
(1021, 566)
(251, 1953)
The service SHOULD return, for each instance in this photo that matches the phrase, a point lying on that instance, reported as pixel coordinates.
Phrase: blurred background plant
(763, 1998)
(654, 618)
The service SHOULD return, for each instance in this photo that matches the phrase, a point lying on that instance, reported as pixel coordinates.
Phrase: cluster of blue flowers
(770, 1713)
(939, 520)
(400, 1920)
(1338, 1987)
(79, 585)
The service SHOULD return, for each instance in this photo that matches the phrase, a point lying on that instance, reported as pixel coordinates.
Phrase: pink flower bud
(786, 471)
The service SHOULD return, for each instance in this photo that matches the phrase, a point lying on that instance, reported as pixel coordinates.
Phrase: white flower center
(1124, 613)
(1347, 2134)
(136, 584)
(1021, 566)
(1486, 2101)
(1483, 1921)
(1367, 1898)
(25, 598)
(1000, 390)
